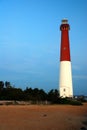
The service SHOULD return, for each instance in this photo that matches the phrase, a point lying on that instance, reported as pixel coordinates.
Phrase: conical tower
(65, 82)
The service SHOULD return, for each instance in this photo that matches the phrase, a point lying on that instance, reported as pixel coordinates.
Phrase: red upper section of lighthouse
(65, 48)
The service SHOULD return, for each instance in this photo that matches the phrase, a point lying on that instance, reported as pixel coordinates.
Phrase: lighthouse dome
(64, 21)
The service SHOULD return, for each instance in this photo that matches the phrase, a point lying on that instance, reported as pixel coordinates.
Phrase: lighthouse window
(64, 48)
(64, 90)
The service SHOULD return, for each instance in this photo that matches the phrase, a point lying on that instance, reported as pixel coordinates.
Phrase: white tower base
(65, 84)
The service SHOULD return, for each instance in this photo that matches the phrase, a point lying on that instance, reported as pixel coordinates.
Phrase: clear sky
(30, 42)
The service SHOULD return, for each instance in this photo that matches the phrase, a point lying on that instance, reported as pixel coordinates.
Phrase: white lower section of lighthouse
(65, 83)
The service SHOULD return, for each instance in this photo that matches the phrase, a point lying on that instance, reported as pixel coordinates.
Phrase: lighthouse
(65, 81)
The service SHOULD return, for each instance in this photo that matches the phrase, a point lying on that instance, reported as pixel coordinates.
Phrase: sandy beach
(43, 117)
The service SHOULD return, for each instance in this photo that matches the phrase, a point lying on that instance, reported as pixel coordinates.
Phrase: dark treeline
(8, 92)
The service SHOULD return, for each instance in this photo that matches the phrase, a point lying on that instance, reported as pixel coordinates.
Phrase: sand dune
(43, 117)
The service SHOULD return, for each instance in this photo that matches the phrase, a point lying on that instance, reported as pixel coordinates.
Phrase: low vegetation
(32, 96)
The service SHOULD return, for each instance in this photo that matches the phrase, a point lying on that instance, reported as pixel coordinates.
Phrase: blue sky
(30, 42)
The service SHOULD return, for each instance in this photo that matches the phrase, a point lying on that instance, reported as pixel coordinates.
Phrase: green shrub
(75, 102)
